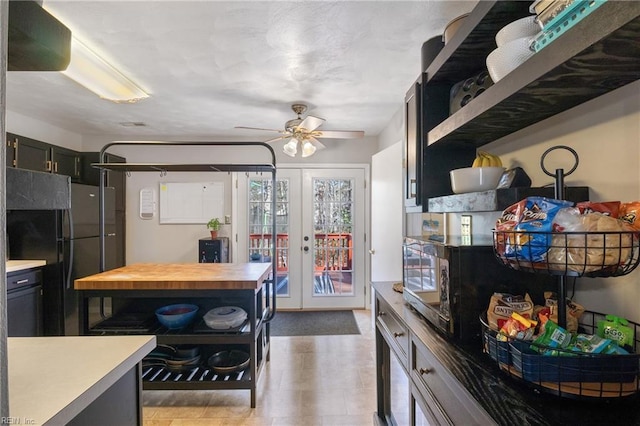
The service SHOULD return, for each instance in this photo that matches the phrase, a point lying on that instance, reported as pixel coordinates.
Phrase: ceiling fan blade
(259, 128)
(339, 134)
(311, 123)
(317, 143)
(277, 139)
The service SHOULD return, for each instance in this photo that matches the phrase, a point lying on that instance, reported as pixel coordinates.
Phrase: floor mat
(314, 323)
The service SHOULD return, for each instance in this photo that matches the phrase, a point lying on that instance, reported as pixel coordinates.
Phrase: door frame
(242, 257)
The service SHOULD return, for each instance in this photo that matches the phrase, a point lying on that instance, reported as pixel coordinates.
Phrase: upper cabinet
(31, 154)
(599, 54)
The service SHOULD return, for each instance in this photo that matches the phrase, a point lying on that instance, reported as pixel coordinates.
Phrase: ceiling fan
(304, 131)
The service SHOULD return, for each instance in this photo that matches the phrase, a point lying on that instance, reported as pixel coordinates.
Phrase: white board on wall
(191, 202)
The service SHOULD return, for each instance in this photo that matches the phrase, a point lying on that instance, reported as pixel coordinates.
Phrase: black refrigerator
(69, 241)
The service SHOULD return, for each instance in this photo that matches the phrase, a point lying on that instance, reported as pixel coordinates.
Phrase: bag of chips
(630, 213)
(502, 305)
(573, 311)
(608, 208)
(588, 242)
(506, 223)
(537, 223)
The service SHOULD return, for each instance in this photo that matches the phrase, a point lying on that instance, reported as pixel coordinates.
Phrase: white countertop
(52, 379)
(19, 265)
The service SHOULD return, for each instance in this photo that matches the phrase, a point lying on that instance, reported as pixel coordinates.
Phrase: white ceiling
(213, 65)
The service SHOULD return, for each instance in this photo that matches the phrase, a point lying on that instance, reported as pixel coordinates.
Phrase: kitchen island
(137, 290)
(76, 380)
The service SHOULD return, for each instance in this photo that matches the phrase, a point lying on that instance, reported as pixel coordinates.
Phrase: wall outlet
(465, 229)
(227, 219)
(465, 225)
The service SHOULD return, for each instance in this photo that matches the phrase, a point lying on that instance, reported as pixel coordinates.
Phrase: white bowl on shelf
(475, 179)
(508, 57)
(524, 27)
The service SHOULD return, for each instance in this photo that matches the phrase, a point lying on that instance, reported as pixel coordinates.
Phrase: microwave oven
(450, 284)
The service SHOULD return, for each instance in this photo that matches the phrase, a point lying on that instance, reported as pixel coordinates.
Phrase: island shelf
(137, 290)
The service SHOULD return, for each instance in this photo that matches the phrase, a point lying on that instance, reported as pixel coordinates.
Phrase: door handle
(306, 249)
(372, 252)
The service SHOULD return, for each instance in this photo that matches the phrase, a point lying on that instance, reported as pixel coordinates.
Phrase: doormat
(316, 323)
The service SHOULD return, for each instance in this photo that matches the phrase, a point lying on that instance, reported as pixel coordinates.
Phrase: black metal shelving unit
(260, 304)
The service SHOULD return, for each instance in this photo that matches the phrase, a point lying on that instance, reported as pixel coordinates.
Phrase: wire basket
(569, 374)
(590, 254)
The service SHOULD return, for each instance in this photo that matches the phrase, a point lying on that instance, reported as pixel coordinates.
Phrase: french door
(320, 242)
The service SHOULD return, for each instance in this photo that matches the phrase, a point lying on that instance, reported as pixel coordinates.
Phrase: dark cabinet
(66, 162)
(10, 155)
(32, 154)
(24, 304)
(412, 145)
(414, 387)
(427, 167)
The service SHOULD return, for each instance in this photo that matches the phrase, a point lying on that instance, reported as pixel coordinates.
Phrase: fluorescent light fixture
(91, 71)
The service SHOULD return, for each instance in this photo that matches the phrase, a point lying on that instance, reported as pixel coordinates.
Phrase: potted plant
(214, 226)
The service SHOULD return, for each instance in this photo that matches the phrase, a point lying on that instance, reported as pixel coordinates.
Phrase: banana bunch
(484, 159)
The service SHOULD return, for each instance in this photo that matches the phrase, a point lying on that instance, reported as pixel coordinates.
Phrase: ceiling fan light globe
(308, 149)
(291, 147)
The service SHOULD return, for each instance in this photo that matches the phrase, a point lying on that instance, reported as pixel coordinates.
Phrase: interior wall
(25, 126)
(150, 241)
(393, 131)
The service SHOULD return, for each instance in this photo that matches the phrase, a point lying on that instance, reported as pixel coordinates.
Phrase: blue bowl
(176, 316)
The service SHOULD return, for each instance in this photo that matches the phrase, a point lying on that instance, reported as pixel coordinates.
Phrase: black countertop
(506, 399)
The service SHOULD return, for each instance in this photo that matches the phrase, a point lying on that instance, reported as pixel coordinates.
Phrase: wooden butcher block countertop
(179, 276)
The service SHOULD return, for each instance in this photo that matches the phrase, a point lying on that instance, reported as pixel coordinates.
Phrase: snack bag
(506, 223)
(630, 213)
(607, 208)
(617, 329)
(517, 327)
(574, 311)
(590, 344)
(599, 241)
(502, 305)
(552, 336)
(537, 222)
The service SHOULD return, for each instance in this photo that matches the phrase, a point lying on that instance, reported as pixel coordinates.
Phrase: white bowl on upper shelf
(524, 27)
(508, 57)
(475, 179)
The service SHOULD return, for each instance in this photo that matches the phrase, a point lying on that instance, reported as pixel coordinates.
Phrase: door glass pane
(260, 223)
(333, 245)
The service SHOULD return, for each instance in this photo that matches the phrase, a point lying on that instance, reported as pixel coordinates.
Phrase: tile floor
(310, 381)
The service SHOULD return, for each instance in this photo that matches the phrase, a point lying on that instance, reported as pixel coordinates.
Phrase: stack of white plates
(225, 317)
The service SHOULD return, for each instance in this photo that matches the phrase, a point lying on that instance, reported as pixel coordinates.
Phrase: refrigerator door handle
(69, 284)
